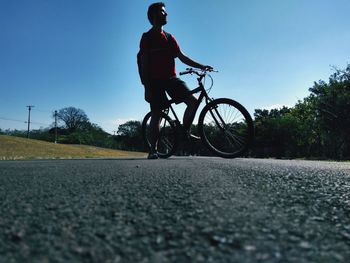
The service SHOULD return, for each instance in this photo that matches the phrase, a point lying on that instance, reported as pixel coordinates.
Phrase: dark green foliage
(40, 134)
(77, 129)
(129, 136)
(318, 126)
(332, 105)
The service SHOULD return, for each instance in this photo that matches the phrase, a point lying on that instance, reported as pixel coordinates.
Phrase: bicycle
(224, 125)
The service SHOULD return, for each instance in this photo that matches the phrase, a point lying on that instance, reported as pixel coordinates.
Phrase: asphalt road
(175, 210)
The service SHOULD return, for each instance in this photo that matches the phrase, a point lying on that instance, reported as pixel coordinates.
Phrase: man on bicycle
(158, 51)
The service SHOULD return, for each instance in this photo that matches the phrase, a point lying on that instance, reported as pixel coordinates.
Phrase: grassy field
(16, 148)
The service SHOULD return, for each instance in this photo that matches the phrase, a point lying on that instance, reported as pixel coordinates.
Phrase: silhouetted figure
(158, 51)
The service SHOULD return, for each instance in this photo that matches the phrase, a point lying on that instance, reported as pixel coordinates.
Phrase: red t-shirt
(162, 54)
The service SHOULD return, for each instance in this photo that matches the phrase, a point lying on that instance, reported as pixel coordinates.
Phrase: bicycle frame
(203, 94)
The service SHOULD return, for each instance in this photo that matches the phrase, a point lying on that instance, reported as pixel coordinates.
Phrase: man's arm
(144, 69)
(188, 61)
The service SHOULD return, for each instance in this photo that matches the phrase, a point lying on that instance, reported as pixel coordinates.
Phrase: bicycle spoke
(166, 143)
(225, 129)
(237, 140)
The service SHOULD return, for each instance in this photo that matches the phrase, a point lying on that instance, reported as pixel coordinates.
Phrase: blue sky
(82, 53)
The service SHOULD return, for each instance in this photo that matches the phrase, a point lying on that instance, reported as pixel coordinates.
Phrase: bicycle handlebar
(198, 72)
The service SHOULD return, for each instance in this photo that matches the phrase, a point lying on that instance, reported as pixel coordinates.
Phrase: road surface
(176, 210)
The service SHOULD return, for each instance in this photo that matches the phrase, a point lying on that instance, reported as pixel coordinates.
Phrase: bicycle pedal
(190, 137)
(194, 137)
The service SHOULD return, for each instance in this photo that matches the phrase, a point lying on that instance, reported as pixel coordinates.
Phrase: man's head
(157, 14)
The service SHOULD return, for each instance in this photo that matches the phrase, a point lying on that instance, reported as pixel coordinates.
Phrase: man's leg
(154, 130)
(179, 91)
(190, 112)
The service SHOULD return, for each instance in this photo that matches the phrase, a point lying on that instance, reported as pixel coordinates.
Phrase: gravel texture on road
(175, 210)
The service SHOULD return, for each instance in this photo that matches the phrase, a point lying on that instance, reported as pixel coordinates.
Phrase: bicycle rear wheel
(226, 128)
(167, 143)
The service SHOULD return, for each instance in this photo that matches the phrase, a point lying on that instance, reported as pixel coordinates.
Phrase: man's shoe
(152, 155)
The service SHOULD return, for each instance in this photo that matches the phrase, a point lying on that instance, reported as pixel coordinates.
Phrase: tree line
(316, 127)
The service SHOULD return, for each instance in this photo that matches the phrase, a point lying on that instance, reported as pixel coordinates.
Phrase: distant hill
(16, 148)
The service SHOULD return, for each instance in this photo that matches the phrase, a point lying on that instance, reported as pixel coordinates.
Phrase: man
(158, 51)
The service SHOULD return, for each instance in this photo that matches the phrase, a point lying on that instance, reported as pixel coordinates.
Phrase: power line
(29, 122)
(43, 110)
(22, 121)
(8, 119)
(39, 123)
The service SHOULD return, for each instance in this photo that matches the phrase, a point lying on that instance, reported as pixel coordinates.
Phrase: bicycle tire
(226, 128)
(168, 140)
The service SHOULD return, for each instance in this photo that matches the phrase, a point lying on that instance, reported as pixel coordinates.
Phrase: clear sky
(82, 53)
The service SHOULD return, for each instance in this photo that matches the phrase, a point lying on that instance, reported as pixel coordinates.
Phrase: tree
(310, 130)
(129, 136)
(332, 108)
(275, 131)
(130, 129)
(73, 118)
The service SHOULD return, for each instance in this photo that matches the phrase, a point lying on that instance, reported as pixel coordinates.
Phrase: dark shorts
(175, 87)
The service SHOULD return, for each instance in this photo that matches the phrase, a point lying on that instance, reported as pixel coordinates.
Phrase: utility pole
(55, 126)
(29, 109)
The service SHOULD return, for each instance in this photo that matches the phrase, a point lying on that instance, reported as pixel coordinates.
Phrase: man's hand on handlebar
(198, 72)
(207, 68)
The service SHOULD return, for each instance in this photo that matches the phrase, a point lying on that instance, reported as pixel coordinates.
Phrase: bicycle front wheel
(226, 128)
(167, 142)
